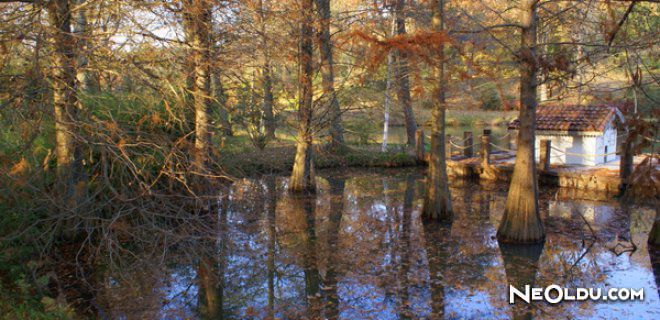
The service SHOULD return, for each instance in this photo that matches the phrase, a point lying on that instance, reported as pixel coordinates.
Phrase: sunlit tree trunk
(65, 102)
(402, 76)
(437, 201)
(327, 72)
(200, 13)
(521, 222)
(302, 177)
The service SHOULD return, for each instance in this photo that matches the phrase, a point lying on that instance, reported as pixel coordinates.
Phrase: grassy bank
(240, 159)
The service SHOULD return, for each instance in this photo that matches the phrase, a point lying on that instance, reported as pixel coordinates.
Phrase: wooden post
(485, 148)
(468, 152)
(420, 147)
(544, 155)
(448, 146)
(625, 164)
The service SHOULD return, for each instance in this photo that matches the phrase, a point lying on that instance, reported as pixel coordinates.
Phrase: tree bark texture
(302, 177)
(88, 81)
(200, 13)
(401, 74)
(65, 101)
(521, 222)
(266, 77)
(437, 201)
(327, 72)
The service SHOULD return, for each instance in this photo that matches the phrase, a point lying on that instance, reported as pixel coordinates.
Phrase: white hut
(578, 134)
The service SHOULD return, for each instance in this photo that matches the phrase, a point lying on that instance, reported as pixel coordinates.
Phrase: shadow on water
(358, 250)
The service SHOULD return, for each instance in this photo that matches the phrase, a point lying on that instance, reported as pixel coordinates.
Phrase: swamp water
(359, 250)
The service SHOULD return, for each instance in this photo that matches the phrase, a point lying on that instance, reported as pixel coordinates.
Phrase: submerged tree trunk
(327, 72)
(302, 177)
(65, 100)
(200, 13)
(437, 202)
(402, 76)
(521, 222)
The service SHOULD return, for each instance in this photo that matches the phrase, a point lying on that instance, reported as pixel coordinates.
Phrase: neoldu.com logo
(554, 294)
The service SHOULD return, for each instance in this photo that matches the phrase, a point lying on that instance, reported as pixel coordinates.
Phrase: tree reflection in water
(358, 249)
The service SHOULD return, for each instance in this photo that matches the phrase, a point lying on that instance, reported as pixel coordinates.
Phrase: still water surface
(359, 250)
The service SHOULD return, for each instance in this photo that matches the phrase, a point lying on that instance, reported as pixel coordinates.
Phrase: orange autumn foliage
(423, 45)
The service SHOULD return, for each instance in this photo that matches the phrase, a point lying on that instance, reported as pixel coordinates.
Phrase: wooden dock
(497, 165)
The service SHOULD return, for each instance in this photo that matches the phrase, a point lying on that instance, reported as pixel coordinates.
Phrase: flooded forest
(329, 159)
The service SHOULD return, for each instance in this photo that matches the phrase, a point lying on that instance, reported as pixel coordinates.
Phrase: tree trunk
(327, 72)
(521, 222)
(87, 80)
(200, 12)
(65, 100)
(386, 113)
(302, 177)
(221, 101)
(388, 90)
(437, 202)
(402, 77)
(267, 80)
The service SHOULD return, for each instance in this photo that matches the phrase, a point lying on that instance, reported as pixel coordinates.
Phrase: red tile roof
(571, 118)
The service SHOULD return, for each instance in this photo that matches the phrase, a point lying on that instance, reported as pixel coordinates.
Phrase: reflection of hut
(597, 215)
(581, 135)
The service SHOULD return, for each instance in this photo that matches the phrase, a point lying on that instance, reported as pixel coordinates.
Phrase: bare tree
(302, 177)
(198, 22)
(65, 102)
(266, 76)
(521, 222)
